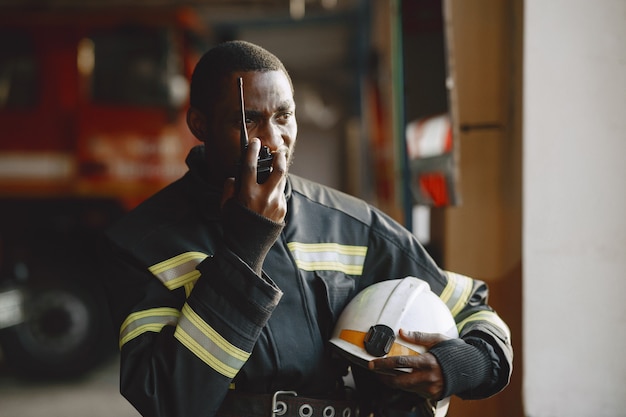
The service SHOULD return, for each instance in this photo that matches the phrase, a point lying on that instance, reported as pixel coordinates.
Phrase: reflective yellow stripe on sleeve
(490, 317)
(208, 345)
(457, 292)
(179, 271)
(329, 257)
(152, 320)
(456, 295)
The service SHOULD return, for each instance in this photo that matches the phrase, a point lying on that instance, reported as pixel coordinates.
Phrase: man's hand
(425, 378)
(267, 199)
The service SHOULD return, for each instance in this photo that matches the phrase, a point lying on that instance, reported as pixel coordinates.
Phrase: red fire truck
(92, 121)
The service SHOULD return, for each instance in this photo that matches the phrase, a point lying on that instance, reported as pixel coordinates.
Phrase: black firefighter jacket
(195, 321)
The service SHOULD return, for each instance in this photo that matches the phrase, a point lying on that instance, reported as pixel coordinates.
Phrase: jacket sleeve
(179, 350)
(479, 363)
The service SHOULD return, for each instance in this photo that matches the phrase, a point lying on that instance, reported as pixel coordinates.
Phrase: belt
(283, 404)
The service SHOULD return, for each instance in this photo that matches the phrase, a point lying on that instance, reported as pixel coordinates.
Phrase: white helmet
(368, 328)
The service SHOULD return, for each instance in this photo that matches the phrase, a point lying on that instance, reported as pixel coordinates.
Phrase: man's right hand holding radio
(267, 199)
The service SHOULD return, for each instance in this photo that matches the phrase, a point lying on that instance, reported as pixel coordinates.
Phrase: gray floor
(94, 395)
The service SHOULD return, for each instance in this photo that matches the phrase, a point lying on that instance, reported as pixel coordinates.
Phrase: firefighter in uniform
(226, 292)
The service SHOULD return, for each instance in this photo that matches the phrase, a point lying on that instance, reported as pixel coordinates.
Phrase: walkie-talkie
(264, 164)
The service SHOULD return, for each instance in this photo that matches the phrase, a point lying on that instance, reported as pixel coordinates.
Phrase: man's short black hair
(222, 60)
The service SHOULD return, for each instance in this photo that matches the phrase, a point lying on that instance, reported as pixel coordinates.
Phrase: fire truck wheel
(63, 335)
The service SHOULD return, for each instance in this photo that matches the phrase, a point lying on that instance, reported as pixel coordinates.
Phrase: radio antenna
(243, 134)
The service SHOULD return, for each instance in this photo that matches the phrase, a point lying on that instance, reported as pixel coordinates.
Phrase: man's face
(270, 116)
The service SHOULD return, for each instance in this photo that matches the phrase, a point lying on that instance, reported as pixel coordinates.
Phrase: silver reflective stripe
(179, 271)
(152, 320)
(329, 257)
(490, 317)
(208, 345)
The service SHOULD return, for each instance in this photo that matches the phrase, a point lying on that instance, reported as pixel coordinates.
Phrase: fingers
(249, 167)
(428, 340)
(391, 363)
(268, 198)
(423, 375)
(279, 168)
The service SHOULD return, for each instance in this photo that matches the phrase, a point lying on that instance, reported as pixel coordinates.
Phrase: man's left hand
(425, 378)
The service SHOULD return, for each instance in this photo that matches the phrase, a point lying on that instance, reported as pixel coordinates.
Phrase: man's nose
(271, 136)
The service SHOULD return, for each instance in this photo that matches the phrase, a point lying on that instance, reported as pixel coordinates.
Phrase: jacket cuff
(464, 366)
(248, 234)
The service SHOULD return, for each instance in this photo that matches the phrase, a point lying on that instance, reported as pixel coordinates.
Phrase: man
(227, 290)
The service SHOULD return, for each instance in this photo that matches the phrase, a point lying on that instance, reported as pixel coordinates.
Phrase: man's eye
(284, 117)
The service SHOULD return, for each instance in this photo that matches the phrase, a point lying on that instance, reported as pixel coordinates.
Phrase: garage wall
(574, 208)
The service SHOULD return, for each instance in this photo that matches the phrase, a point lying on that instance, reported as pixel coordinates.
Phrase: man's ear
(198, 124)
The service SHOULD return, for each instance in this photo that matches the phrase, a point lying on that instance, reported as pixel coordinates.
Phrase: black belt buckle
(279, 408)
